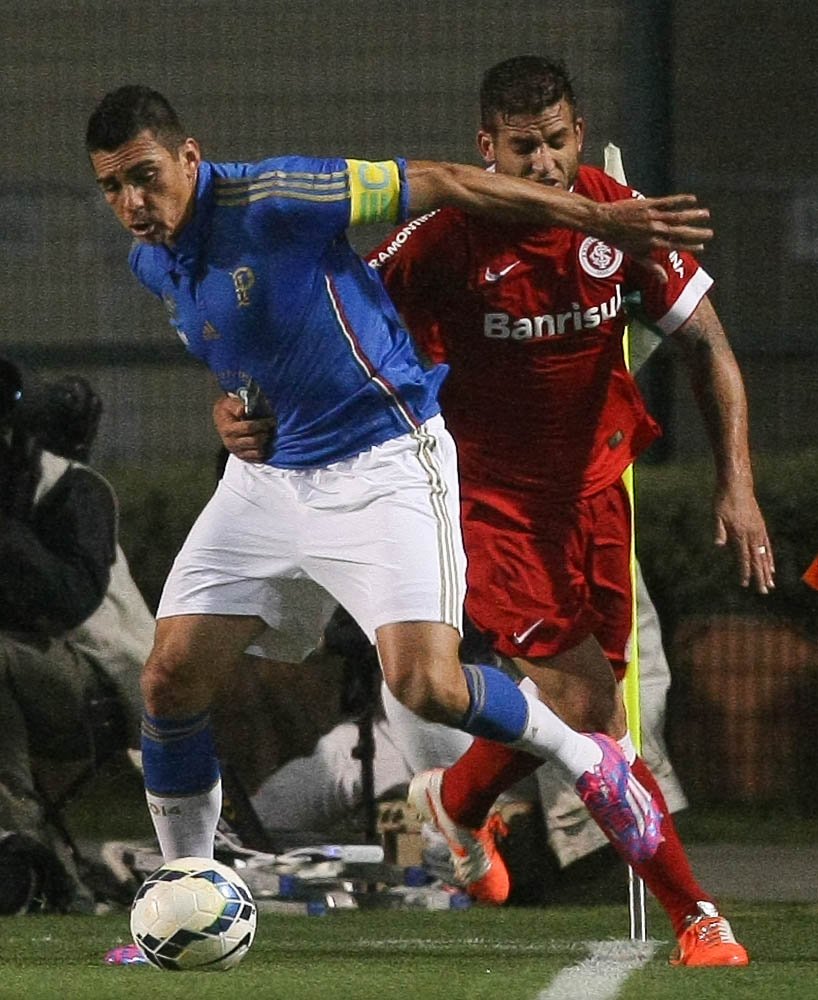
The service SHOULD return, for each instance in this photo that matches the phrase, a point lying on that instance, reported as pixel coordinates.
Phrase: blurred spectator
(74, 632)
(325, 791)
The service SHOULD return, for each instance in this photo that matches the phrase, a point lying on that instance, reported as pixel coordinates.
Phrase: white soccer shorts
(379, 533)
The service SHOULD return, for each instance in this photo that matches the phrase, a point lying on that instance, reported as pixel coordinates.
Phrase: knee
(604, 711)
(171, 686)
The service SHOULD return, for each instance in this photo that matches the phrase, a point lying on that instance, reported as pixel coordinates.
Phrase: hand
(248, 440)
(641, 225)
(739, 522)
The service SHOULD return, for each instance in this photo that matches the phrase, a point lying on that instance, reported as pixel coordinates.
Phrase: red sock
(668, 874)
(471, 785)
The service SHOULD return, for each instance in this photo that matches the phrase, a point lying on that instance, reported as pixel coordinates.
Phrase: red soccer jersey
(538, 397)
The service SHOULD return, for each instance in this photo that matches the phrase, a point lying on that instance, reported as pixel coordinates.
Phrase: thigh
(384, 532)
(527, 582)
(243, 558)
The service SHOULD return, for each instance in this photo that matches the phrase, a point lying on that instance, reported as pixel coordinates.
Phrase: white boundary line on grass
(599, 976)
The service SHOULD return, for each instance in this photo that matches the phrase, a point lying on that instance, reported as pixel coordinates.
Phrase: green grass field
(509, 954)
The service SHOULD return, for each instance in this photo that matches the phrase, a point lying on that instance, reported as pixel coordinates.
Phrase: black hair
(64, 416)
(523, 85)
(123, 113)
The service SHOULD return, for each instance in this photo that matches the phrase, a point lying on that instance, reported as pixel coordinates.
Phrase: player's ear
(191, 155)
(485, 143)
(579, 131)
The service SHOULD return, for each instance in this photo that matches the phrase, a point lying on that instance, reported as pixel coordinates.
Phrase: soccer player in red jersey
(546, 419)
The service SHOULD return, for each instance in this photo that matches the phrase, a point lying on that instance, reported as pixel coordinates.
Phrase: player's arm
(719, 390)
(245, 438)
(636, 225)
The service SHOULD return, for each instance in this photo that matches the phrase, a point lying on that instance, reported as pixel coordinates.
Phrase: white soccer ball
(193, 913)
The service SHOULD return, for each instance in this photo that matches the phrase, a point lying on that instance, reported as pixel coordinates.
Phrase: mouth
(144, 229)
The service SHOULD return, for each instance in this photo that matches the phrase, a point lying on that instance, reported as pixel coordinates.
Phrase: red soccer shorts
(543, 576)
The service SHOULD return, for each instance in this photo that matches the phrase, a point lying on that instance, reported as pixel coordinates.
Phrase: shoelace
(713, 931)
(475, 861)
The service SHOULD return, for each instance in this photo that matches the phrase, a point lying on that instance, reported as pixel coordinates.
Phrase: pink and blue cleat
(623, 808)
(126, 954)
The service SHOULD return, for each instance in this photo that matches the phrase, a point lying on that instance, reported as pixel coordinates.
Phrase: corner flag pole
(637, 901)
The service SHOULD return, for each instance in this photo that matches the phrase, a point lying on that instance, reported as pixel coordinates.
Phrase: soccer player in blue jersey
(357, 501)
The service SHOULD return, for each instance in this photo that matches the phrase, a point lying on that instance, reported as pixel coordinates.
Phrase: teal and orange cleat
(708, 940)
(478, 866)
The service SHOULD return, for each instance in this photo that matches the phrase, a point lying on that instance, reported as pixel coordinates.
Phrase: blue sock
(179, 755)
(497, 708)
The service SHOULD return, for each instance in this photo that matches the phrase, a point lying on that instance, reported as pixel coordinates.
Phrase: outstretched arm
(636, 225)
(719, 391)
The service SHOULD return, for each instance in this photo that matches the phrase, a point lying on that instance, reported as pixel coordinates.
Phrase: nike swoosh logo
(520, 637)
(496, 275)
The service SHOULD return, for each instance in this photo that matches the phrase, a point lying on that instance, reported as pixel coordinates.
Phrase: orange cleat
(708, 941)
(478, 866)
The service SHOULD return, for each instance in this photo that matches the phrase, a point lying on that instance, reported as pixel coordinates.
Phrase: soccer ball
(193, 913)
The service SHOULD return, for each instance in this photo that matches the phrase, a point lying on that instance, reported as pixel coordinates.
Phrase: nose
(542, 162)
(132, 198)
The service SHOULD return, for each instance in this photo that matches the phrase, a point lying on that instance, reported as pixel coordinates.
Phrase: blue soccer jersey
(263, 286)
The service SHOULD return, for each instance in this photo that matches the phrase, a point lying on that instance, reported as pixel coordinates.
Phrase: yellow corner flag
(630, 687)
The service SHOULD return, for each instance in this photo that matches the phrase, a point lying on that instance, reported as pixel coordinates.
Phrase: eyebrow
(526, 137)
(149, 161)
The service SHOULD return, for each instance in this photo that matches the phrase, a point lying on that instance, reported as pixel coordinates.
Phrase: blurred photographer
(74, 632)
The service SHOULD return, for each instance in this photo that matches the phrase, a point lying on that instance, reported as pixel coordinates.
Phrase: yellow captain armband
(374, 191)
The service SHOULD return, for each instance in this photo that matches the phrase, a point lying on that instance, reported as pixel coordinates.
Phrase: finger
(673, 202)
(670, 242)
(250, 450)
(763, 567)
(230, 404)
(687, 237)
(760, 577)
(684, 217)
(745, 564)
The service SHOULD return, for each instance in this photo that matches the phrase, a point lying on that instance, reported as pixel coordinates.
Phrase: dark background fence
(714, 97)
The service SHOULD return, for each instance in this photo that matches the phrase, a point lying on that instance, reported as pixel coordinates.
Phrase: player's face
(543, 147)
(149, 187)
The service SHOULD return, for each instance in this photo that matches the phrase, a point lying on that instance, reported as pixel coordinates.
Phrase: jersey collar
(188, 246)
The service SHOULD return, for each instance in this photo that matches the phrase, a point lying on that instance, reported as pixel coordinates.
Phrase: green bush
(157, 507)
(688, 575)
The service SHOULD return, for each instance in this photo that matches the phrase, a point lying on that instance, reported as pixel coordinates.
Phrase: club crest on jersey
(597, 258)
(243, 281)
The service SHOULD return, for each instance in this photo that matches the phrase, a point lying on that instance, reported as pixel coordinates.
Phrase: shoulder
(275, 175)
(72, 476)
(291, 186)
(596, 184)
(425, 234)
